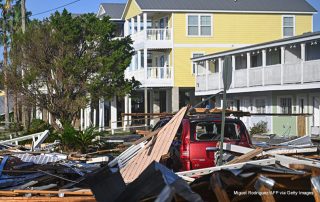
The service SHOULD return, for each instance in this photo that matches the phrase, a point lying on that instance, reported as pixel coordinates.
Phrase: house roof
(281, 42)
(228, 5)
(114, 10)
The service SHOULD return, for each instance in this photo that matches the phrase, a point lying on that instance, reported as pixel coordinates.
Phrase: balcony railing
(279, 74)
(152, 76)
(159, 34)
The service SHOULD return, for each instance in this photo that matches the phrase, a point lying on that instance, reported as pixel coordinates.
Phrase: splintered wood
(153, 151)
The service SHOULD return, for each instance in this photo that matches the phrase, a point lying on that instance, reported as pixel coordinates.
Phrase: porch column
(145, 63)
(126, 110)
(132, 25)
(146, 105)
(207, 75)
(38, 113)
(145, 21)
(139, 59)
(233, 58)
(264, 64)
(138, 23)
(81, 119)
(94, 117)
(248, 67)
(113, 117)
(282, 63)
(303, 59)
(168, 101)
(175, 99)
(126, 28)
(101, 115)
(220, 72)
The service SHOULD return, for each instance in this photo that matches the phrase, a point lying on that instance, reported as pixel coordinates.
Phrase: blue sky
(86, 6)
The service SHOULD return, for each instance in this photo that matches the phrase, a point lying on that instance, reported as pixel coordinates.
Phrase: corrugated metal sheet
(40, 159)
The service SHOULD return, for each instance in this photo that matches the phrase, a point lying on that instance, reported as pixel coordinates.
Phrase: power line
(53, 9)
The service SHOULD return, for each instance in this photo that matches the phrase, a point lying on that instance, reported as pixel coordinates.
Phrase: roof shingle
(114, 10)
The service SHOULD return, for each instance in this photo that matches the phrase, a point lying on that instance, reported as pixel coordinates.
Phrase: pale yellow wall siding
(183, 76)
(132, 10)
(303, 24)
(228, 29)
(231, 28)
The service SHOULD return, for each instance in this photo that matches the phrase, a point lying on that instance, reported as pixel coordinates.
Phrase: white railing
(213, 81)
(255, 76)
(311, 71)
(158, 34)
(201, 82)
(292, 73)
(240, 78)
(137, 74)
(159, 72)
(272, 75)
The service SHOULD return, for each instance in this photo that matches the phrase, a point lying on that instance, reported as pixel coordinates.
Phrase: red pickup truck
(195, 143)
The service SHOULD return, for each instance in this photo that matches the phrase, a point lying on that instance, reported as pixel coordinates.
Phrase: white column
(145, 21)
(132, 25)
(168, 101)
(175, 99)
(146, 104)
(38, 113)
(81, 119)
(220, 72)
(303, 59)
(101, 114)
(113, 118)
(207, 74)
(233, 58)
(264, 64)
(126, 28)
(139, 59)
(126, 111)
(248, 67)
(282, 62)
(94, 117)
(130, 109)
(138, 23)
(133, 62)
(145, 63)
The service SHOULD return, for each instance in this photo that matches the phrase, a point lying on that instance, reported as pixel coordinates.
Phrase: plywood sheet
(156, 147)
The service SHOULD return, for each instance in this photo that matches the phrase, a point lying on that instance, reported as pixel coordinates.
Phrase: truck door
(204, 137)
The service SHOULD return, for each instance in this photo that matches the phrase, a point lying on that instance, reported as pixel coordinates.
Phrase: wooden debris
(155, 149)
(246, 157)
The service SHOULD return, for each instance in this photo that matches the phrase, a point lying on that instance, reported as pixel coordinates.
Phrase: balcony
(153, 38)
(152, 76)
(299, 75)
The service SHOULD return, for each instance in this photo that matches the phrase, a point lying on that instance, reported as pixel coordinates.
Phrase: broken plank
(42, 192)
(246, 157)
(204, 171)
(218, 189)
(286, 161)
(51, 199)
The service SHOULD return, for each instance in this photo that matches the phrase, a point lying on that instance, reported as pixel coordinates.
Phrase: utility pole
(25, 119)
(5, 63)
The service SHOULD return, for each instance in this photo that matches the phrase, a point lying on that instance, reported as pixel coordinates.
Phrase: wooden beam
(218, 189)
(246, 157)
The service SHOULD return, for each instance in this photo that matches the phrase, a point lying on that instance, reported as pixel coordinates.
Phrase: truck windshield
(206, 131)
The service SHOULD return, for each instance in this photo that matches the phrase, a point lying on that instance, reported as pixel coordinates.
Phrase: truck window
(206, 131)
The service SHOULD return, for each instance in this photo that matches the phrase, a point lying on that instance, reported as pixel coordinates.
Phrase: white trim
(282, 43)
(125, 8)
(224, 11)
(172, 50)
(99, 14)
(199, 15)
(263, 88)
(312, 23)
(213, 45)
(294, 25)
(192, 63)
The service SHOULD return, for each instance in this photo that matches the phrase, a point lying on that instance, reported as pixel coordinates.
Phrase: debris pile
(263, 172)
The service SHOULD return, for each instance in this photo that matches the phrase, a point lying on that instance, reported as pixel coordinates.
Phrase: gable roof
(282, 6)
(114, 10)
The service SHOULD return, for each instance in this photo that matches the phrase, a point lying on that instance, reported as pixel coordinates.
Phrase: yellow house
(167, 33)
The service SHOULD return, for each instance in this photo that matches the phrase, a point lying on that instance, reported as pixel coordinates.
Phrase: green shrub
(258, 128)
(38, 125)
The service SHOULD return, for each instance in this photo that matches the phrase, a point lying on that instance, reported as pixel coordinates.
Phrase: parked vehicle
(195, 144)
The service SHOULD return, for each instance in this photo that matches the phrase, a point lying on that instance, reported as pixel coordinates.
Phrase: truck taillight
(184, 150)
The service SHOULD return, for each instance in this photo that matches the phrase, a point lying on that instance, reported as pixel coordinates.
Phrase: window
(201, 67)
(288, 26)
(260, 106)
(286, 105)
(208, 131)
(199, 25)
